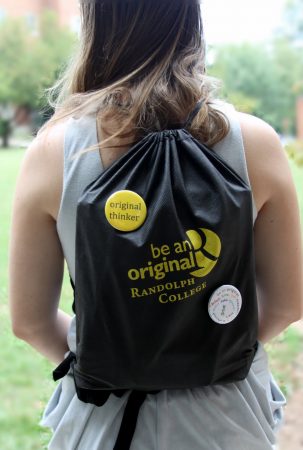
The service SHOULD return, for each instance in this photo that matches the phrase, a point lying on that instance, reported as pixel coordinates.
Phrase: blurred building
(30, 10)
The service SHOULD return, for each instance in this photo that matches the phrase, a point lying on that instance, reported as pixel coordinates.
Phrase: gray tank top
(78, 173)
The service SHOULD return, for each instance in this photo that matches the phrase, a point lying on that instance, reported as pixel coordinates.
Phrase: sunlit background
(254, 48)
(238, 20)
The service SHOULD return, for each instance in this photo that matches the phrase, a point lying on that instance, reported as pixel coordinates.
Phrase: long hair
(140, 63)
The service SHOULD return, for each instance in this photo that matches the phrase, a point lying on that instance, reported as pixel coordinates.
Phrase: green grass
(25, 378)
(283, 351)
(298, 179)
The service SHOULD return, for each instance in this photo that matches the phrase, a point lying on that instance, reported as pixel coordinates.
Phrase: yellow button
(125, 210)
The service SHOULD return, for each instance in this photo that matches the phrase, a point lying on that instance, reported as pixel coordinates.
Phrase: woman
(140, 67)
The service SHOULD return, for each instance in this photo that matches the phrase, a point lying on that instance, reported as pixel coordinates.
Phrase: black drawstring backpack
(164, 292)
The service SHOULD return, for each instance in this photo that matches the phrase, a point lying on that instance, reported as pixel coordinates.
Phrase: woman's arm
(36, 260)
(278, 244)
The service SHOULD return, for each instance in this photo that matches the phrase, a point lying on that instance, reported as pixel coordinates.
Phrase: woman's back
(141, 67)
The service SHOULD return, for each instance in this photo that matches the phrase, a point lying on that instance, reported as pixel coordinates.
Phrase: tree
(30, 62)
(261, 80)
(245, 70)
(292, 23)
(289, 43)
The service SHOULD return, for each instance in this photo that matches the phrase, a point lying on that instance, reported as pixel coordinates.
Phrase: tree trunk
(5, 140)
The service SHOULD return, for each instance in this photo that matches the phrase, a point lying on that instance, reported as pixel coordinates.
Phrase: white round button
(224, 304)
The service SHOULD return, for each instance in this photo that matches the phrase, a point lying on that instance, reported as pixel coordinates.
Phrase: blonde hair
(141, 64)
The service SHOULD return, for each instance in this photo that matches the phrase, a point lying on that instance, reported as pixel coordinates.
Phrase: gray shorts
(245, 415)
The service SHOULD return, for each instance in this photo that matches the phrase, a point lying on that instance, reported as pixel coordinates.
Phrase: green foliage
(297, 173)
(295, 152)
(267, 77)
(283, 351)
(264, 81)
(30, 62)
(5, 130)
(243, 103)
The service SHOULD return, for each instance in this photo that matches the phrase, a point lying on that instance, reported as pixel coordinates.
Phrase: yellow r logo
(207, 246)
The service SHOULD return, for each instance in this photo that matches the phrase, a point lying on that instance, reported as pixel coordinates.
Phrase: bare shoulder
(41, 173)
(277, 231)
(266, 158)
(49, 141)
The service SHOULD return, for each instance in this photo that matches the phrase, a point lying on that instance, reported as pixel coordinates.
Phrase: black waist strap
(132, 408)
(129, 420)
(64, 366)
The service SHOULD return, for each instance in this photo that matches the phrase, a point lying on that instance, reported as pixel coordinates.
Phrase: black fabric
(99, 398)
(190, 118)
(140, 343)
(193, 114)
(129, 420)
(141, 297)
(64, 366)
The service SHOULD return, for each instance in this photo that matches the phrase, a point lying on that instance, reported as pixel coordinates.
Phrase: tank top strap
(193, 114)
(80, 134)
(231, 148)
(189, 119)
